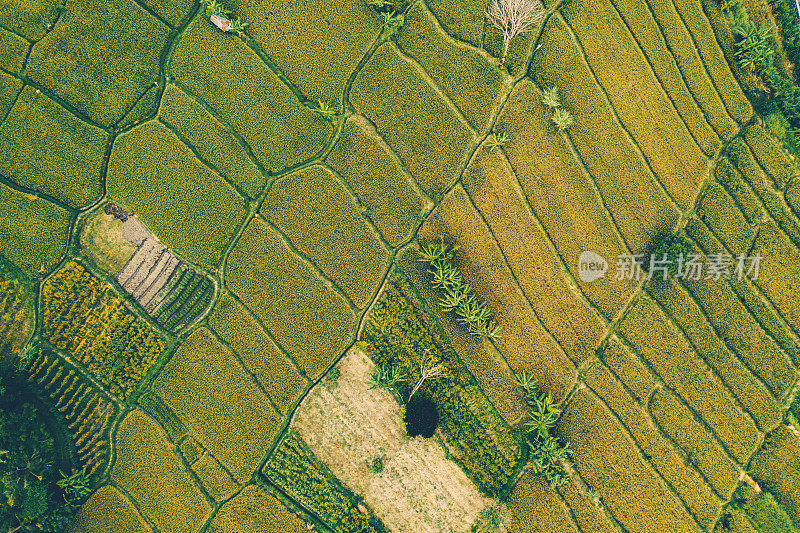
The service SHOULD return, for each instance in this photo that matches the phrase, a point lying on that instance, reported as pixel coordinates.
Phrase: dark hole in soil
(421, 417)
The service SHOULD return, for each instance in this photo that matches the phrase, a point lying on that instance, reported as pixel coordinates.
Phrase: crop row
(82, 315)
(380, 184)
(639, 20)
(741, 156)
(72, 60)
(772, 157)
(154, 476)
(586, 512)
(536, 506)
(322, 220)
(525, 342)
(87, 411)
(691, 12)
(483, 442)
(272, 368)
(16, 316)
(613, 466)
(413, 118)
(628, 368)
(702, 449)
(293, 468)
(663, 346)
(310, 321)
(649, 116)
(492, 187)
(181, 274)
(741, 331)
(722, 215)
(144, 107)
(684, 480)
(46, 148)
(254, 509)
(234, 81)
(471, 81)
(192, 209)
(13, 50)
(189, 300)
(558, 192)
(639, 207)
(753, 395)
(213, 141)
(220, 404)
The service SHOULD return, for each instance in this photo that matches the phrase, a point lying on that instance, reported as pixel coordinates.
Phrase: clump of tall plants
(457, 295)
(561, 117)
(548, 455)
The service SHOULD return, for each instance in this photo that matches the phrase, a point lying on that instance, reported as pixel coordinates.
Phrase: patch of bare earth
(348, 426)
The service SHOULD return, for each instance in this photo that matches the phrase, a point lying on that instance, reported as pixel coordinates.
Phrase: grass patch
(83, 316)
(173, 11)
(639, 208)
(323, 221)
(282, 381)
(212, 140)
(191, 209)
(646, 112)
(378, 182)
(13, 50)
(793, 197)
(256, 510)
(100, 57)
(315, 46)
(143, 108)
(108, 510)
(16, 308)
(310, 322)
(33, 231)
(29, 18)
(777, 469)
(480, 440)
(668, 353)
(752, 394)
(259, 107)
(46, 148)
(102, 240)
(611, 464)
(704, 505)
(153, 475)
(559, 192)
(198, 383)
(472, 82)
(768, 515)
(413, 119)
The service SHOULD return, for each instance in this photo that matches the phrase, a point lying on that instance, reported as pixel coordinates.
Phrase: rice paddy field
(220, 268)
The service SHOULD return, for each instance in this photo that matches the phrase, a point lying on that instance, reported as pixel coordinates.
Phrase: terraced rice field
(214, 221)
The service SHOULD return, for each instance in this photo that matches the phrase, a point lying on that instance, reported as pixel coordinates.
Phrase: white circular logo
(591, 266)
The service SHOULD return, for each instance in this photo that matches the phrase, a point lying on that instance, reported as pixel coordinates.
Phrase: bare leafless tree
(428, 369)
(513, 17)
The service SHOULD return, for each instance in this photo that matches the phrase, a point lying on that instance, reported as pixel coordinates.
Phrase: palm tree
(512, 18)
(562, 119)
(550, 97)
